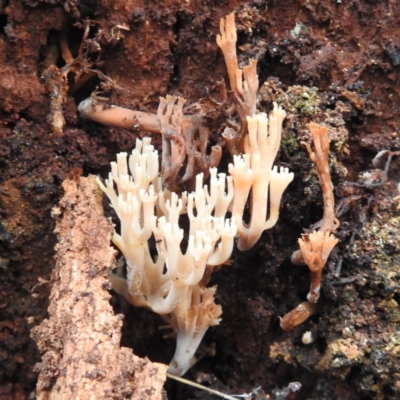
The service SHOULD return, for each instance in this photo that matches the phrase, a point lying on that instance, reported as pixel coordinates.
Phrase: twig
(201, 387)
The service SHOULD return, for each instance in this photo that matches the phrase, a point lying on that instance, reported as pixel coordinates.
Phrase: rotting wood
(80, 340)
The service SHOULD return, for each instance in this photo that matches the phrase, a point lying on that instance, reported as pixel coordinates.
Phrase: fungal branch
(319, 156)
(315, 247)
(184, 145)
(254, 173)
(243, 82)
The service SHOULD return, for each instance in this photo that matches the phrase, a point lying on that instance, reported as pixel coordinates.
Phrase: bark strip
(80, 341)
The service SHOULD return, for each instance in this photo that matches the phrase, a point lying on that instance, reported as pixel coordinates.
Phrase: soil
(332, 62)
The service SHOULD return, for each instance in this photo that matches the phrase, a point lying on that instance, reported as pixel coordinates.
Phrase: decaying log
(80, 341)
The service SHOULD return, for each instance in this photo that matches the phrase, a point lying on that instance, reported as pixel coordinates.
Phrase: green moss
(289, 141)
(308, 101)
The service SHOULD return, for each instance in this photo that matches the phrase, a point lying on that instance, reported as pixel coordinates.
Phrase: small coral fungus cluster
(316, 246)
(168, 267)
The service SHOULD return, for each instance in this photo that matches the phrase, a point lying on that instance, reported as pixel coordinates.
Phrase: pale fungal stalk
(193, 316)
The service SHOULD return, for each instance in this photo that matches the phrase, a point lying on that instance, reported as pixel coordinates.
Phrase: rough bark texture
(80, 340)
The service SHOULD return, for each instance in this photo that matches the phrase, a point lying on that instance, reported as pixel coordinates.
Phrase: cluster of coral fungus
(316, 246)
(150, 203)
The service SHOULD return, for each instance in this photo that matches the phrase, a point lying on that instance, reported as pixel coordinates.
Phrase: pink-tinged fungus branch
(184, 146)
(298, 315)
(243, 82)
(319, 156)
(226, 41)
(315, 248)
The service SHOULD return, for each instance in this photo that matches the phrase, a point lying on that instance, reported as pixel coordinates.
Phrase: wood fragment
(80, 340)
